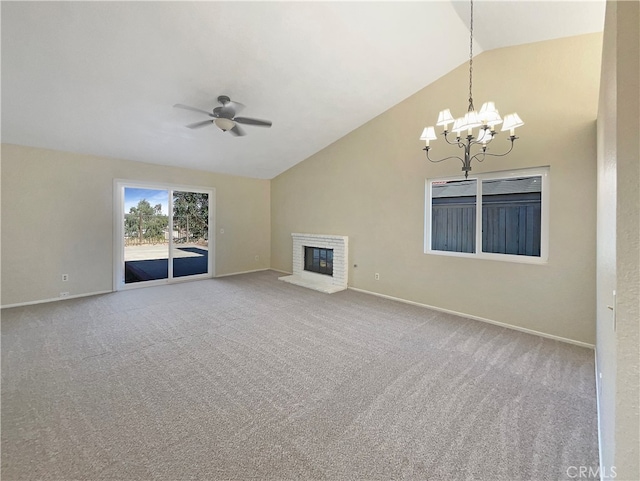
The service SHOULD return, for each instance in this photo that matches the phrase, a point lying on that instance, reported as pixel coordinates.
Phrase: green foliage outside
(144, 223)
(147, 224)
(190, 216)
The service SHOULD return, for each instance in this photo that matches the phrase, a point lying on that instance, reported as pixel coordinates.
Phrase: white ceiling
(101, 77)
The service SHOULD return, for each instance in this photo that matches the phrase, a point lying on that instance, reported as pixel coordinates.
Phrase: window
(500, 216)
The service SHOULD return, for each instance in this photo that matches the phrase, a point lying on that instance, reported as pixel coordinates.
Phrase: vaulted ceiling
(101, 78)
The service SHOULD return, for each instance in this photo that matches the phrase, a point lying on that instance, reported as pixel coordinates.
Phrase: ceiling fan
(224, 117)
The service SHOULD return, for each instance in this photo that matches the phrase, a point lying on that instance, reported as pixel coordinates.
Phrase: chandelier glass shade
(474, 143)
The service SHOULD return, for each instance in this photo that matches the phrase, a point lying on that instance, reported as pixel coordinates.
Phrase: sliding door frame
(118, 232)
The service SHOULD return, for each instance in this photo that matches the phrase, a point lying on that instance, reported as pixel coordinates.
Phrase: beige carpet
(250, 378)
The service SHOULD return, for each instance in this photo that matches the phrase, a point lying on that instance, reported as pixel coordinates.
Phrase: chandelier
(475, 145)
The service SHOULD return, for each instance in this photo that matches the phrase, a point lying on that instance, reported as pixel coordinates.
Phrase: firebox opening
(317, 259)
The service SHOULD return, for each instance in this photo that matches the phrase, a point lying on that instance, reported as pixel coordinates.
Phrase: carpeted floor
(250, 378)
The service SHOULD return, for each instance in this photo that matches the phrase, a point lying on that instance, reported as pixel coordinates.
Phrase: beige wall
(369, 186)
(618, 331)
(57, 217)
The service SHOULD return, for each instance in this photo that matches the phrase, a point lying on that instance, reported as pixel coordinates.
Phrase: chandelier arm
(441, 160)
(484, 153)
(456, 142)
(477, 158)
(477, 142)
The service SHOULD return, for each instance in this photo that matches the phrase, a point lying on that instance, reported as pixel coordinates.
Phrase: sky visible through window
(133, 195)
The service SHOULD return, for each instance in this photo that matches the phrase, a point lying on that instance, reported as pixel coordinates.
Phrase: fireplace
(320, 262)
(318, 259)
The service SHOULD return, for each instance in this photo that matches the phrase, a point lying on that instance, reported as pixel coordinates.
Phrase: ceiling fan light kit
(485, 120)
(224, 117)
(224, 124)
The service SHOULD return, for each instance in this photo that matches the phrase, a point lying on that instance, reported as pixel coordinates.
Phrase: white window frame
(542, 172)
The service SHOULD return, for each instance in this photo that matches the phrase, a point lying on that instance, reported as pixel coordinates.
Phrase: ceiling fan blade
(227, 103)
(250, 121)
(237, 131)
(186, 107)
(202, 123)
(237, 106)
(228, 110)
(224, 112)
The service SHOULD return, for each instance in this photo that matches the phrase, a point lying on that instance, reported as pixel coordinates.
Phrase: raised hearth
(323, 282)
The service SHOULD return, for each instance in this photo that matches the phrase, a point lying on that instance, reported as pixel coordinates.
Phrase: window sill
(492, 257)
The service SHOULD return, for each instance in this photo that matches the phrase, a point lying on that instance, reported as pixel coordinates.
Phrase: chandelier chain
(471, 60)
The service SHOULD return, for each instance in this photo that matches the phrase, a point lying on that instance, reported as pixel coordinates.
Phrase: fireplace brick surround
(320, 282)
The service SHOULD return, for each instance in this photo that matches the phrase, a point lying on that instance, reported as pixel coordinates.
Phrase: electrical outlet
(64, 294)
(376, 276)
(65, 277)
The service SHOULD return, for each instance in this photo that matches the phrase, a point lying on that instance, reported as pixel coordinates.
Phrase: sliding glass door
(145, 240)
(162, 234)
(190, 251)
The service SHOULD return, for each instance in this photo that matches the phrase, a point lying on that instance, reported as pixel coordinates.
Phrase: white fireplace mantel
(320, 282)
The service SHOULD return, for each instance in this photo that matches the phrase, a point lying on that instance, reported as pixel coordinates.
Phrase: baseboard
(477, 318)
(242, 272)
(54, 299)
(599, 420)
(281, 271)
